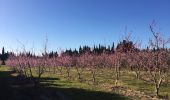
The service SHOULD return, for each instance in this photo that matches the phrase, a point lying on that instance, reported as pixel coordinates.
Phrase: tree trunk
(157, 86)
(94, 77)
(78, 73)
(30, 72)
(137, 74)
(157, 91)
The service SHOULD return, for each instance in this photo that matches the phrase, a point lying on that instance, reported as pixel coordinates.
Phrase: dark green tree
(113, 47)
(3, 57)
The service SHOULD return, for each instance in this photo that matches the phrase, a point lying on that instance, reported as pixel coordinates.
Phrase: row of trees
(154, 61)
(123, 46)
(95, 50)
(155, 64)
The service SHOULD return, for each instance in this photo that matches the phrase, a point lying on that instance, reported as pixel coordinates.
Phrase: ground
(54, 86)
(11, 88)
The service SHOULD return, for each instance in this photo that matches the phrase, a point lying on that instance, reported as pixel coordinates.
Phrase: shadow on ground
(13, 88)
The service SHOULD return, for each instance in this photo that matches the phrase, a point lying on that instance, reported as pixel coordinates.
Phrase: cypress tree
(3, 56)
(113, 47)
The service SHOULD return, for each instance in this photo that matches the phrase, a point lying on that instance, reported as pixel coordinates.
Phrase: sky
(71, 23)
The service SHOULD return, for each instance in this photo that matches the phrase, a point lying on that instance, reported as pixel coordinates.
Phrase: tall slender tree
(3, 56)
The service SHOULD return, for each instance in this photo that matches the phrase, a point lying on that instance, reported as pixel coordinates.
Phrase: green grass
(4, 68)
(55, 87)
(85, 90)
(106, 76)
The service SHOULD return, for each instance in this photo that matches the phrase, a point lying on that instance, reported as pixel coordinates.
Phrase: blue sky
(71, 23)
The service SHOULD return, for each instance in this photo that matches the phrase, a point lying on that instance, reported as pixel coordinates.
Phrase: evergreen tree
(3, 58)
(108, 49)
(113, 47)
(75, 52)
(51, 54)
(80, 50)
(126, 46)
